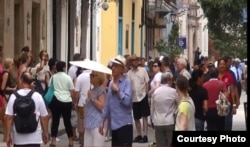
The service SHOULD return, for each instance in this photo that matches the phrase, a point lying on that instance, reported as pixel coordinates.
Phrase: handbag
(223, 105)
(50, 93)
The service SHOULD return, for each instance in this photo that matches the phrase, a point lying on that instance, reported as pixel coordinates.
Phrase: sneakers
(153, 144)
(137, 139)
(140, 139)
(57, 139)
(144, 139)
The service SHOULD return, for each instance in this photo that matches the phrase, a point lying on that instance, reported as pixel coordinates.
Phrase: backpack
(222, 104)
(24, 113)
(38, 86)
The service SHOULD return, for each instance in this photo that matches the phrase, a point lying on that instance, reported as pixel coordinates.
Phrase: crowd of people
(163, 93)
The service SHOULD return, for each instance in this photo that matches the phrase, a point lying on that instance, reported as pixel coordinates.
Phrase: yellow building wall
(109, 33)
(137, 41)
(127, 22)
(109, 30)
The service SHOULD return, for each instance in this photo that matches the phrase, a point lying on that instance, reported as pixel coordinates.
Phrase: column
(190, 46)
(27, 24)
(49, 27)
(64, 30)
(8, 28)
(72, 24)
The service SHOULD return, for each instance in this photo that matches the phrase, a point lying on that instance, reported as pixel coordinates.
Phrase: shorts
(141, 109)
(80, 112)
(73, 118)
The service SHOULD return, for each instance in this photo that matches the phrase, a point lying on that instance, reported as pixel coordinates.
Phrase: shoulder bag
(50, 93)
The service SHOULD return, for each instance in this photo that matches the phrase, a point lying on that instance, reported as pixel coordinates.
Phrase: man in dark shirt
(200, 96)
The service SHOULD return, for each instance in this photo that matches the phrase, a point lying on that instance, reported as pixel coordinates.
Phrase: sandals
(52, 145)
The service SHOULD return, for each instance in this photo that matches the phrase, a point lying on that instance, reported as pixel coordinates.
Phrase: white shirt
(82, 86)
(72, 72)
(40, 110)
(139, 79)
(234, 69)
(41, 74)
(164, 104)
(157, 78)
(185, 73)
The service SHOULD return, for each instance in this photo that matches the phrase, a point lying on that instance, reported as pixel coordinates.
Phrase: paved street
(238, 124)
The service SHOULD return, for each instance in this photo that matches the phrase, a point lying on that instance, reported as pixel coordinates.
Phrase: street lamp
(105, 7)
(173, 16)
(158, 3)
(105, 4)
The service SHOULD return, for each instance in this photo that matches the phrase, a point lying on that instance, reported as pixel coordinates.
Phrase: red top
(228, 80)
(213, 87)
(1, 97)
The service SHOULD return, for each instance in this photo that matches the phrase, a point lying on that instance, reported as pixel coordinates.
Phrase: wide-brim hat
(133, 57)
(119, 60)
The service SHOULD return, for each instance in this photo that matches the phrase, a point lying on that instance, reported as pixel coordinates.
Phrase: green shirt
(62, 86)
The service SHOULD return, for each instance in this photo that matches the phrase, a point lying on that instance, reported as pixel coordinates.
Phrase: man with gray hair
(181, 67)
(163, 106)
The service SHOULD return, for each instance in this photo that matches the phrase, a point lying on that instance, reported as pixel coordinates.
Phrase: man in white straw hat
(139, 79)
(118, 106)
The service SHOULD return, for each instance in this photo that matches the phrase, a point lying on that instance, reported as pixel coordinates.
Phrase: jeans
(229, 119)
(199, 124)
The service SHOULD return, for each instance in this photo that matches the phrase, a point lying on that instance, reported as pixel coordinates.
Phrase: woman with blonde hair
(8, 86)
(93, 110)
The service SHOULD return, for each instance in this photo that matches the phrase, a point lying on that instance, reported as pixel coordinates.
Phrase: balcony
(159, 6)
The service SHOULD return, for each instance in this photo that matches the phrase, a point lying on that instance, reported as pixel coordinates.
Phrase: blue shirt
(118, 107)
(93, 115)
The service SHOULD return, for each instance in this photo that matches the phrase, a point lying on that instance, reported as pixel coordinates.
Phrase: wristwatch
(234, 105)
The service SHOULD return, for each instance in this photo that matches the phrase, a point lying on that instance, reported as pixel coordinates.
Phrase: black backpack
(38, 86)
(24, 113)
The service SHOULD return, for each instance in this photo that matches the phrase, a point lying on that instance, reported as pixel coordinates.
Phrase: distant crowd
(164, 93)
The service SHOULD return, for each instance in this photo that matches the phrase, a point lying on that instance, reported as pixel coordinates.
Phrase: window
(127, 37)
(120, 8)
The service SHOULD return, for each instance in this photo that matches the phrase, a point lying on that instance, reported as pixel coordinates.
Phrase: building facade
(55, 25)
(114, 31)
(23, 23)
(119, 30)
(158, 24)
(191, 21)
(192, 24)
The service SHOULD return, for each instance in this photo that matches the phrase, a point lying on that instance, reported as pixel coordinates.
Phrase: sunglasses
(93, 75)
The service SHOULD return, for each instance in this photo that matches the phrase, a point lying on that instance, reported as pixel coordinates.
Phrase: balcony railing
(164, 7)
